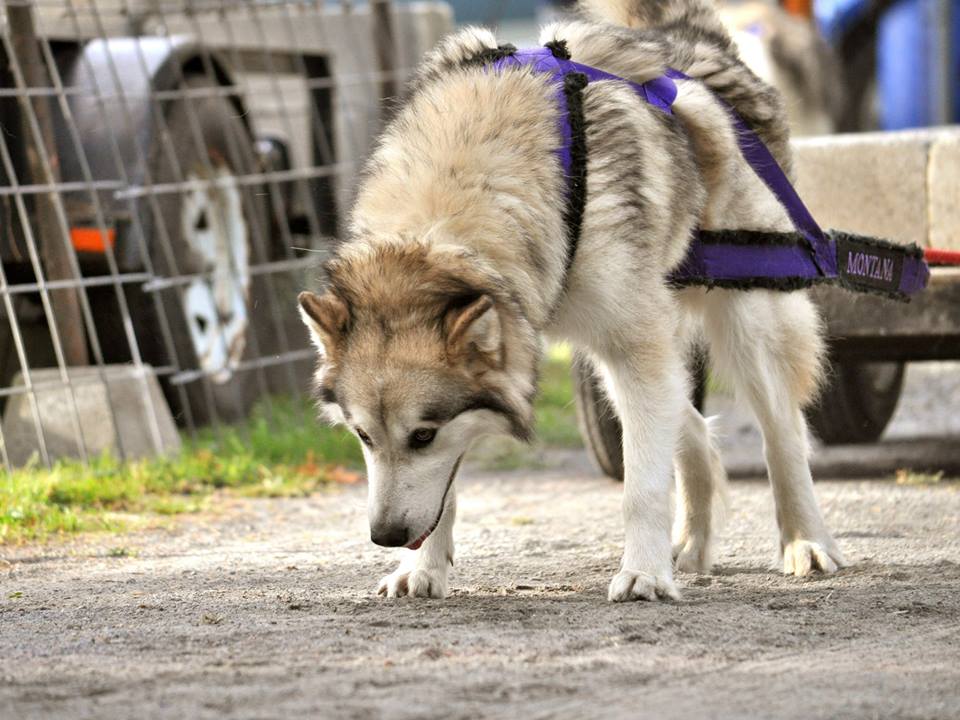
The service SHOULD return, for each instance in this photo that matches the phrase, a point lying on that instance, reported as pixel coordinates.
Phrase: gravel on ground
(267, 610)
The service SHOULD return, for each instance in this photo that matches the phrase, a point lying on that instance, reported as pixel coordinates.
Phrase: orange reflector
(92, 240)
(800, 8)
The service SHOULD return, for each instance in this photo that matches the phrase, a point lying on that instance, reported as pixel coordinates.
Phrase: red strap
(935, 256)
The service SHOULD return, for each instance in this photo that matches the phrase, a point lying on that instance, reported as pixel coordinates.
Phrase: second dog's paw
(802, 557)
(637, 585)
(414, 583)
(693, 555)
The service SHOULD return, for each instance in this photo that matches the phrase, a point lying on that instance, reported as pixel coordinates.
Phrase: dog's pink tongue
(415, 545)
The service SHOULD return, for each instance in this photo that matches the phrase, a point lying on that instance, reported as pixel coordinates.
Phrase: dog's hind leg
(701, 493)
(768, 344)
(423, 572)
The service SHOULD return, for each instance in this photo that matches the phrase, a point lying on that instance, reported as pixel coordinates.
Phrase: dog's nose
(389, 535)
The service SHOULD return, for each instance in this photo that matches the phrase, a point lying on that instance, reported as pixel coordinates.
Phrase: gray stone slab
(874, 184)
(140, 424)
(902, 186)
(944, 187)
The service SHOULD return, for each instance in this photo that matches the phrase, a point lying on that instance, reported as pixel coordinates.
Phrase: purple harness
(735, 258)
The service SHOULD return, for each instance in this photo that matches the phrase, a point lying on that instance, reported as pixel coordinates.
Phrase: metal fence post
(56, 262)
(385, 46)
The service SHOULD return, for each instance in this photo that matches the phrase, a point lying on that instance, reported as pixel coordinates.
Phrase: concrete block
(903, 186)
(943, 176)
(419, 26)
(140, 425)
(872, 183)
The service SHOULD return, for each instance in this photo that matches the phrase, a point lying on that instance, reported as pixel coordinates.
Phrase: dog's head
(414, 359)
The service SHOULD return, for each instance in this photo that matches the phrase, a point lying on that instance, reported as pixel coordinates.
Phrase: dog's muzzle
(389, 535)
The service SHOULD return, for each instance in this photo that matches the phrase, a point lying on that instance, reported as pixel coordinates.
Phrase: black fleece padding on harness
(489, 55)
(573, 85)
(911, 250)
(781, 284)
(787, 285)
(751, 237)
(559, 49)
(895, 252)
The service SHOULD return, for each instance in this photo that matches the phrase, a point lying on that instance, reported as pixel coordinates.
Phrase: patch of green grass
(556, 413)
(556, 420)
(910, 477)
(282, 450)
(177, 505)
(283, 431)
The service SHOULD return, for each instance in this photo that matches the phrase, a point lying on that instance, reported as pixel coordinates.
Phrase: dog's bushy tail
(647, 14)
(698, 43)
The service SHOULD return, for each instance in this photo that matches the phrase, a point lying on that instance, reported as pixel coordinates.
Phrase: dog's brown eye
(364, 437)
(421, 437)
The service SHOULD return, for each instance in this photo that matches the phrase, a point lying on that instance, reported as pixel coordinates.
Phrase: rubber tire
(218, 120)
(598, 423)
(858, 402)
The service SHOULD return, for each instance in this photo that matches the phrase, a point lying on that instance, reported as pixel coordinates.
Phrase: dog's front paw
(802, 557)
(638, 585)
(414, 583)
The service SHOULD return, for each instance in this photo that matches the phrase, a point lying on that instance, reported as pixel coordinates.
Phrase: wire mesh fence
(171, 174)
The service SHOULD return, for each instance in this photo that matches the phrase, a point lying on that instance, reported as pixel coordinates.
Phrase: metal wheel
(215, 305)
(206, 233)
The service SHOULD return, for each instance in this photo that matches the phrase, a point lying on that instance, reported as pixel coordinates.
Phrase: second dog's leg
(423, 572)
(701, 494)
(646, 381)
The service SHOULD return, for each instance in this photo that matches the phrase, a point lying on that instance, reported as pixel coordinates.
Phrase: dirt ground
(267, 611)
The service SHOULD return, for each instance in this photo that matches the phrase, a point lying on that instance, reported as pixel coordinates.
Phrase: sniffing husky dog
(429, 333)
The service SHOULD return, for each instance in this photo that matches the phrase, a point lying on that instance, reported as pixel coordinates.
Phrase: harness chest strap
(739, 259)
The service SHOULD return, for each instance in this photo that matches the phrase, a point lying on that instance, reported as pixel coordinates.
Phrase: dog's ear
(327, 317)
(474, 326)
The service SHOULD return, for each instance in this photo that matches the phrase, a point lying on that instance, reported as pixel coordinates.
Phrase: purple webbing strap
(728, 262)
(659, 92)
(862, 264)
(737, 262)
(767, 168)
(916, 275)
